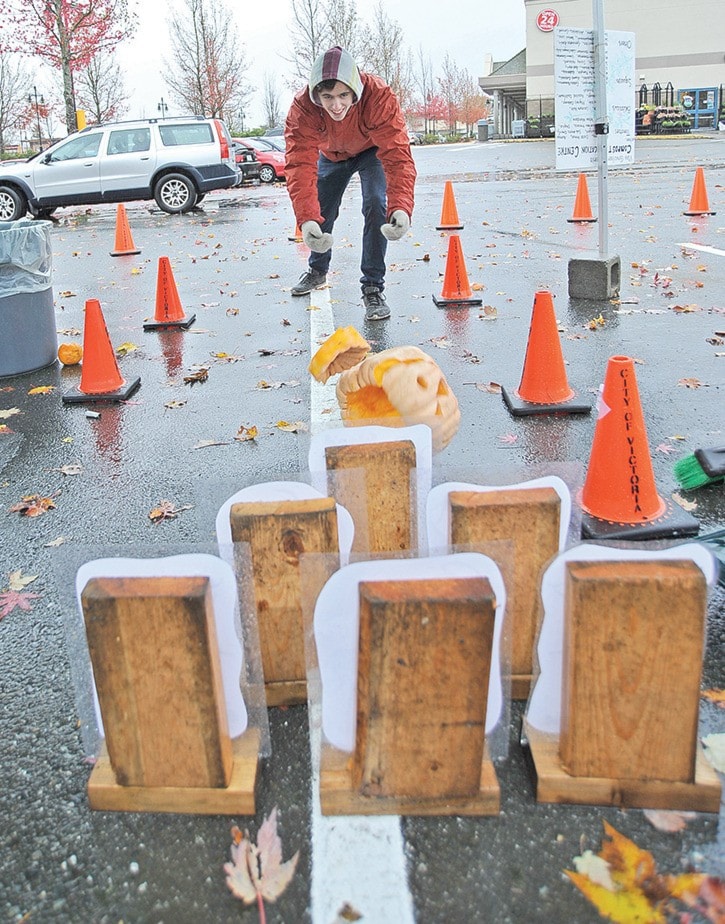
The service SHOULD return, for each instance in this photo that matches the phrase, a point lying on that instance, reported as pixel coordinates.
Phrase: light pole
(37, 114)
(163, 108)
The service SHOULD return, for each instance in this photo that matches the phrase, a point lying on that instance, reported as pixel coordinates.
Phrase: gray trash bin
(482, 126)
(28, 338)
(518, 128)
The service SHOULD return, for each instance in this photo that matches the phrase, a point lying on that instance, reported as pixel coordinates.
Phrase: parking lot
(174, 440)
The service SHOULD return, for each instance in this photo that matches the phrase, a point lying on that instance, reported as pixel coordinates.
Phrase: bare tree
(343, 27)
(100, 90)
(14, 86)
(385, 55)
(272, 111)
(424, 84)
(209, 66)
(450, 89)
(310, 37)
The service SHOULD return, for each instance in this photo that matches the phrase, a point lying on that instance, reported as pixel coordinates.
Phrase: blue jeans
(332, 181)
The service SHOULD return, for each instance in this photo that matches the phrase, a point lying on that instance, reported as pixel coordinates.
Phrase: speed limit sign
(547, 20)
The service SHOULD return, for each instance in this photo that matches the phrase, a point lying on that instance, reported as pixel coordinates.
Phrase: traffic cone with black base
(544, 388)
(457, 292)
(124, 245)
(101, 379)
(449, 213)
(619, 499)
(169, 312)
(582, 205)
(699, 203)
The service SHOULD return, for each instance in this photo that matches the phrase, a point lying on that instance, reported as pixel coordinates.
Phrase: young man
(348, 122)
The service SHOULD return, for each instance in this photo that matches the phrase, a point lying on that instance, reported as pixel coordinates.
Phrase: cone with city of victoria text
(699, 203)
(582, 205)
(544, 388)
(124, 245)
(457, 292)
(101, 379)
(449, 213)
(619, 498)
(169, 312)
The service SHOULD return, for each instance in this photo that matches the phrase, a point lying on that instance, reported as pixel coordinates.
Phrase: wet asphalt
(234, 265)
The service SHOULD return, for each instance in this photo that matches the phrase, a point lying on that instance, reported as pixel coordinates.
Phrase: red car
(271, 159)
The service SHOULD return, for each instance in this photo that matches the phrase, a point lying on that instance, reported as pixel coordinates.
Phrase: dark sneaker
(376, 308)
(308, 281)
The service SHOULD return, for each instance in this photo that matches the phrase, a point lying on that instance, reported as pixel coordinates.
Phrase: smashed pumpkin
(399, 387)
(70, 354)
(342, 350)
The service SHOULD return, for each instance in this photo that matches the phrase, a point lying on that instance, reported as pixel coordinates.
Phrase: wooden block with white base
(633, 644)
(424, 662)
(373, 481)
(278, 532)
(153, 647)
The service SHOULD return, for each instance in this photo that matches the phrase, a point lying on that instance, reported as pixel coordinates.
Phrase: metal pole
(601, 125)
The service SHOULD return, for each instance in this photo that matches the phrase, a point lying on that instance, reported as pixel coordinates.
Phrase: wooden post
(633, 643)
(154, 652)
(423, 673)
(529, 518)
(278, 532)
(373, 481)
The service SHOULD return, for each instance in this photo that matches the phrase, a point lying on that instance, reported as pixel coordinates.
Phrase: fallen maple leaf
(508, 438)
(15, 599)
(42, 390)
(683, 502)
(166, 511)
(246, 434)
(201, 375)
(297, 426)
(668, 821)
(690, 383)
(9, 412)
(19, 581)
(257, 872)
(715, 696)
(33, 505)
(125, 348)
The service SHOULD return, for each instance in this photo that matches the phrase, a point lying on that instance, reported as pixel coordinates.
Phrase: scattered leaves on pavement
(16, 597)
(9, 412)
(42, 390)
(715, 696)
(257, 872)
(33, 505)
(165, 510)
(297, 426)
(627, 888)
(201, 375)
(690, 383)
(246, 434)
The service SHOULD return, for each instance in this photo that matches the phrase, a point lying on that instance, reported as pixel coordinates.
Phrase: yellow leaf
(125, 348)
(135, 271)
(245, 434)
(42, 390)
(630, 864)
(685, 886)
(715, 696)
(627, 906)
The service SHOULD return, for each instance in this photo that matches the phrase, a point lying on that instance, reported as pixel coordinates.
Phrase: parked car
(270, 158)
(415, 137)
(174, 161)
(247, 162)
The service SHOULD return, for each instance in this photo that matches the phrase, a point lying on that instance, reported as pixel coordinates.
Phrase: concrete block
(594, 278)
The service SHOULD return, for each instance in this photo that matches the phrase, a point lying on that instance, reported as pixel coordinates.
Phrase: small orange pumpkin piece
(70, 354)
(342, 350)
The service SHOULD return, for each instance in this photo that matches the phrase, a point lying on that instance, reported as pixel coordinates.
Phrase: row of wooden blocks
(427, 654)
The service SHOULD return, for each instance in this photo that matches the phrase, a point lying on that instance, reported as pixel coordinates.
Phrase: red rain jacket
(374, 121)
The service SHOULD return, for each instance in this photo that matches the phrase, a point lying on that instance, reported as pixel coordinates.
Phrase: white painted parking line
(359, 860)
(704, 249)
(356, 859)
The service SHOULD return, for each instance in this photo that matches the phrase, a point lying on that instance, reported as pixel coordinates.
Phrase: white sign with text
(576, 143)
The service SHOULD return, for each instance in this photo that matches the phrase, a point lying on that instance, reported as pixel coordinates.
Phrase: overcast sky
(465, 29)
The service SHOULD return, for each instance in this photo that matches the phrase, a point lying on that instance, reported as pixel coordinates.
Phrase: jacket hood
(335, 64)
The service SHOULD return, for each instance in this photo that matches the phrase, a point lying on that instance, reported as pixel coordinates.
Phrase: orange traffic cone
(619, 498)
(457, 292)
(169, 312)
(582, 206)
(544, 388)
(297, 237)
(124, 245)
(101, 379)
(449, 213)
(699, 204)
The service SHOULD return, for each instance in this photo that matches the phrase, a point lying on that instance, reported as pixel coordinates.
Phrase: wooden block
(633, 645)
(278, 532)
(423, 674)
(373, 481)
(155, 660)
(554, 784)
(529, 518)
(338, 795)
(238, 798)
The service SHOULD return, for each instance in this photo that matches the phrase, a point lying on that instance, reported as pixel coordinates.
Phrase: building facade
(679, 48)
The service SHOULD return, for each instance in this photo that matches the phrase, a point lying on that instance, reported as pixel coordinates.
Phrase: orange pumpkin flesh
(70, 353)
(369, 402)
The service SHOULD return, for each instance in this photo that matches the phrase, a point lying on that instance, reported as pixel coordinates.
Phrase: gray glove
(314, 237)
(398, 226)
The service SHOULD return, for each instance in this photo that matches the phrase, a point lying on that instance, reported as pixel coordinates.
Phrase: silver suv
(174, 161)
